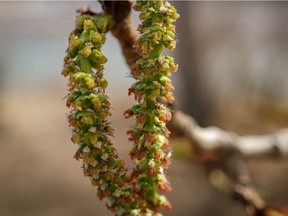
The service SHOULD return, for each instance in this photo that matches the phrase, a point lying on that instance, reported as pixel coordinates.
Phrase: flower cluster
(137, 193)
(90, 111)
(152, 90)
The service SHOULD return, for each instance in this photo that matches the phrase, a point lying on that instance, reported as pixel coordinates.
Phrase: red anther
(135, 72)
(165, 117)
(133, 155)
(128, 113)
(133, 175)
(152, 172)
(167, 163)
(164, 187)
(132, 200)
(141, 155)
(130, 91)
(166, 144)
(159, 154)
(167, 206)
(150, 138)
(77, 155)
(68, 103)
(64, 72)
(140, 119)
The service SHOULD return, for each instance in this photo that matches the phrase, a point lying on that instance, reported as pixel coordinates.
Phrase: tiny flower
(93, 162)
(110, 202)
(90, 82)
(167, 205)
(174, 67)
(65, 72)
(128, 113)
(96, 37)
(76, 138)
(135, 212)
(151, 163)
(86, 51)
(103, 83)
(105, 156)
(88, 24)
(144, 15)
(77, 155)
(169, 97)
(117, 193)
(164, 187)
(77, 105)
(167, 163)
(93, 139)
(92, 129)
(86, 150)
(75, 42)
(87, 120)
(163, 9)
(171, 45)
(95, 101)
(96, 176)
(120, 211)
(103, 185)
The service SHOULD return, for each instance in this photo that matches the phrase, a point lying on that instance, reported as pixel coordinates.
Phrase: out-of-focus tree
(231, 54)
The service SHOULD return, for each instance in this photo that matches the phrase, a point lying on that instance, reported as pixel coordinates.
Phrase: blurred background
(232, 74)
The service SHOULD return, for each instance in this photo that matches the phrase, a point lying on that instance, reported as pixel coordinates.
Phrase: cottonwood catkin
(135, 193)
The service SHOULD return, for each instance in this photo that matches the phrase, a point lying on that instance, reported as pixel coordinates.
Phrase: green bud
(86, 51)
(79, 22)
(144, 15)
(76, 138)
(154, 94)
(98, 57)
(171, 45)
(87, 119)
(75, 42)
(77, 105)
(103, 83)
(90, 82)
(88, 24)
(93, 139)
(164, 79)
(95, 100)
(95, 37)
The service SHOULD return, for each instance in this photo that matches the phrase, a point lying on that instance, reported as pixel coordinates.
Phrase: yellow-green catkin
(153, 91)
(136, 193)
(90, 109)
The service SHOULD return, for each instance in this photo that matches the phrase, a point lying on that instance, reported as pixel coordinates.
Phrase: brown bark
(124, 29)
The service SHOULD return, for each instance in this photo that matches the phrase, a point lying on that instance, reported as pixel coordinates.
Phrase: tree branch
(124, 29)
(213, 138)
(223, 156)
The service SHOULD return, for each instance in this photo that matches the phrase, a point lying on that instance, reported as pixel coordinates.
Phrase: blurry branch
(222, 153)
(223, 156)
(213, 138)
